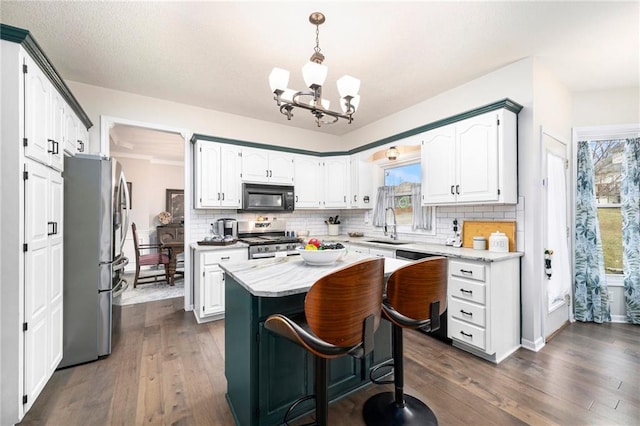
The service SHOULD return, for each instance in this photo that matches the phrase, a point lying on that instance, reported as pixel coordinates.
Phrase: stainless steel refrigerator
(96, 221)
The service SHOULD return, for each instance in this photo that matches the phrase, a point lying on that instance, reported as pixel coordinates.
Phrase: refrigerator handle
(125, 188)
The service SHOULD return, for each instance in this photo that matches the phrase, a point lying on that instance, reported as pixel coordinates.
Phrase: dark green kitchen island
(265, 372)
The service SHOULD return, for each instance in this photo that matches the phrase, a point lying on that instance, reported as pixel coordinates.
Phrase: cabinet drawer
(223, 256)
(466, 311)
(467, 290)
(467, 333)
(471, 271)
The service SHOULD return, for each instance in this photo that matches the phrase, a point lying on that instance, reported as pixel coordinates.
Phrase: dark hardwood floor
(169, 370)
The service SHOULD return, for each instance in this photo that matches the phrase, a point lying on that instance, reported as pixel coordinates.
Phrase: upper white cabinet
(217, 175)
(362, 183)
(261, 165)
(336, 181)
(309, 189)
(472, 161)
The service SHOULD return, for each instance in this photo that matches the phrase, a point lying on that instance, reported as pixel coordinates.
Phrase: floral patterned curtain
(630, 207)
(591, 297)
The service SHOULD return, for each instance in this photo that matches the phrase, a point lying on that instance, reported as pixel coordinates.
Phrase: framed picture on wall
(175, 204)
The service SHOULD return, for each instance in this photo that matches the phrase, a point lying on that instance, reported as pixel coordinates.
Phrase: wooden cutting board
(480, 228)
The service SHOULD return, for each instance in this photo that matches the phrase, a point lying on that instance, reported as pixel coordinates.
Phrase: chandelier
(314, 74)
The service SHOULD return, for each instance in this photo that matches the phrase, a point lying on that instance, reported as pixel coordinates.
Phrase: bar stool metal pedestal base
(382, 409)
(397, 408)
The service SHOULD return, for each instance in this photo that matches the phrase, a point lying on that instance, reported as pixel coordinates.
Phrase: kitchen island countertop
(284, 276)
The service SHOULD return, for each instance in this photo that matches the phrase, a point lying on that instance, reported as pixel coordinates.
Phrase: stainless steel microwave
(259, 197)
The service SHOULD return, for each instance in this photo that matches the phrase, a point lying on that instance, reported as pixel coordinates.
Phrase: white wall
(606, 107)
(97, 101)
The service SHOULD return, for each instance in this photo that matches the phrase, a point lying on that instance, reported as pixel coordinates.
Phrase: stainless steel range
(267, 239)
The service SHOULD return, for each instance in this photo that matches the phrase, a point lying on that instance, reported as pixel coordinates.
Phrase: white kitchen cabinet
(217, 175)
(375, 251)
(32, 115)
(265, 166)
(483, 310)
(71, 132)
(362, 183)
(209, 281)
(472, 161)
(336, 181)
(309, 188)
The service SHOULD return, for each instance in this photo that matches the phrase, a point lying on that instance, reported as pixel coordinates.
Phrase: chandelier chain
(317, 48)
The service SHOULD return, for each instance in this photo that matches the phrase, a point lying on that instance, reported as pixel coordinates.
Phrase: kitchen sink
(392, 242)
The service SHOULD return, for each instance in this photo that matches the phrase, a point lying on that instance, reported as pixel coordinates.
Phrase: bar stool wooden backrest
(337, 304)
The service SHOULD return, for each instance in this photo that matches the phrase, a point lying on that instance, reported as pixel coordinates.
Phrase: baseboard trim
(534, 346)
(619, 319)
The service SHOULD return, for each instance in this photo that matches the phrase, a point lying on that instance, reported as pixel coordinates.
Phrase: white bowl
(321, 257)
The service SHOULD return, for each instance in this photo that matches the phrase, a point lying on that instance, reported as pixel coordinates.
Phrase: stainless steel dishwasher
(441, 333)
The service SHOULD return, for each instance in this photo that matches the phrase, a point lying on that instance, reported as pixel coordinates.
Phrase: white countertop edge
(285, 276)
(237, 245)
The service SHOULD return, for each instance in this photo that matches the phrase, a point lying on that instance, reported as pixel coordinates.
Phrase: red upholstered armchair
(151, 259)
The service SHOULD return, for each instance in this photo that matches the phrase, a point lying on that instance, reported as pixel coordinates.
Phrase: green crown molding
(24, 38)
(506, 103)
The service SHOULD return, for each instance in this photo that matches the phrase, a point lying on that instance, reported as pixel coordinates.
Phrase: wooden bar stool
(416, 297)
(342, 311)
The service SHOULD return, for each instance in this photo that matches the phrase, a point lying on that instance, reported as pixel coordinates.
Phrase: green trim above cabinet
(24, 38)
(506, 103)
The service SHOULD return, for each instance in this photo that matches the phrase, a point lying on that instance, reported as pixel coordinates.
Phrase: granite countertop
(236, 245)
(284, 276)
(436, 249)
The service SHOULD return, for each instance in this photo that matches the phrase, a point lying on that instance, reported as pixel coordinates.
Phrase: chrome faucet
(394, 233)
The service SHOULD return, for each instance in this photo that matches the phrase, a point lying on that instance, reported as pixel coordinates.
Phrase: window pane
(607, 160)
(401, 178)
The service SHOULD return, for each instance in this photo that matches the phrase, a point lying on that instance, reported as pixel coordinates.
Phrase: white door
(207, 174)
(335, 181)
(556, 282)
(37, 339)
(56, 193)
(212, 290)
(477, 159)
(56, 145)
(439, 166)
(255, 165)
(37, 112)
(308, 181)
(230, 185)
(281, 168)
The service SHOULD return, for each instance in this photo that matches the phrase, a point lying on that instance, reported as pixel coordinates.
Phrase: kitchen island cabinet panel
(266, 373)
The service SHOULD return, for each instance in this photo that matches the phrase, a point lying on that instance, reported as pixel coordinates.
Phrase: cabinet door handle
(296, 198)
(51, 228)
(267, 173)
(452, 193)
(463, 312)
(345, 198)
(466, 271)
(462, 290)
(355, 198)
(225, 258)
(54, 147)
(466, 334)
(458, 189)
(223, 196)
(80, 146)
(218, 196)
(270, 173)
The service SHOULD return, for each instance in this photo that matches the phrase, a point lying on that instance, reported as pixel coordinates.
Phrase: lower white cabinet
(376, 251)
(209, 281)
(484, 307)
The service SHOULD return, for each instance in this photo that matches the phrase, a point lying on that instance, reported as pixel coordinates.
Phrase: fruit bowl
(321, 257)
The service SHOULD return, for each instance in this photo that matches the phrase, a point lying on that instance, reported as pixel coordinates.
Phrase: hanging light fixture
(314, 74)
(392, 153)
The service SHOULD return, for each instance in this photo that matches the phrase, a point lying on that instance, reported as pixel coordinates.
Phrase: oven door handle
(262, 255)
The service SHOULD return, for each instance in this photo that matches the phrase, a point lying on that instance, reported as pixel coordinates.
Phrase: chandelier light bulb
(348, 86)
(278, 79)
(314, 74)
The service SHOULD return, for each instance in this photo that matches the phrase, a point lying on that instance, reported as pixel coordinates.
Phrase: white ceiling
(218, 55)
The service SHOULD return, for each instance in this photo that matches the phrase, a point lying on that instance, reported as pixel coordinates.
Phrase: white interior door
(556, 282)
